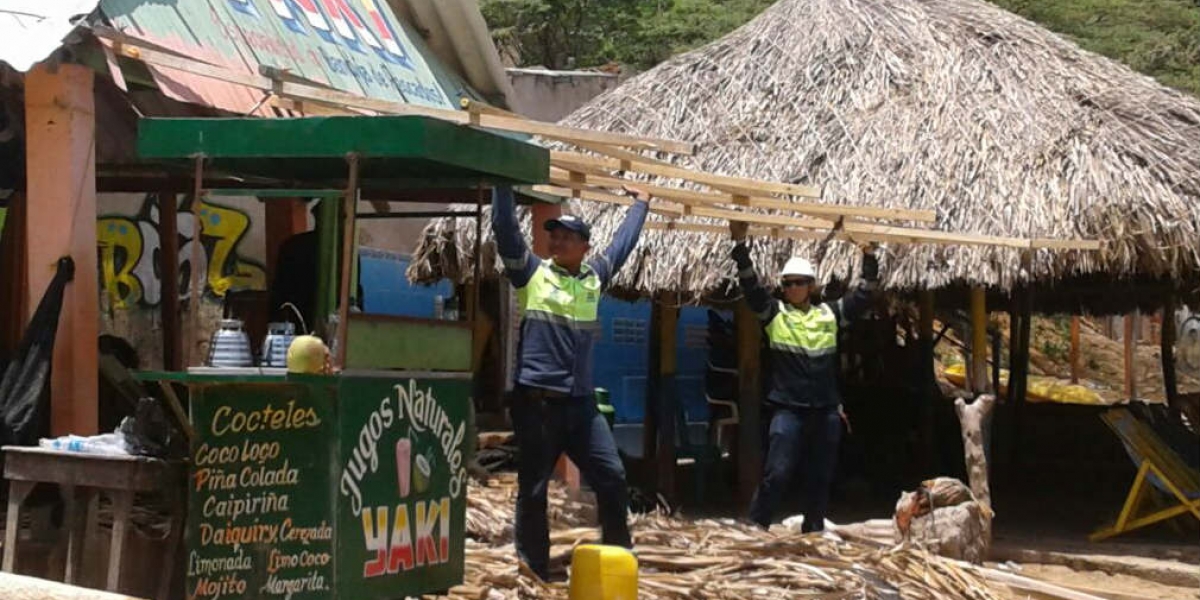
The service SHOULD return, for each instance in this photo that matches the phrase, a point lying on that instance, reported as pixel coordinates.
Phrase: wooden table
(81, 477)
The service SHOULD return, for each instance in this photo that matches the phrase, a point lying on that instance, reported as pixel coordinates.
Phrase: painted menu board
(401, 486)
(321, 487)
(260, 515)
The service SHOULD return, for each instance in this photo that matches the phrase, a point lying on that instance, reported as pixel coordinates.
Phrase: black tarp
(24, 389)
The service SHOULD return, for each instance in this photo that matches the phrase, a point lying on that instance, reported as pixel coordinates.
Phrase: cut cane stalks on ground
(717, 559)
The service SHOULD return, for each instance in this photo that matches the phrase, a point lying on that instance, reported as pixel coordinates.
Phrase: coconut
(308, 354)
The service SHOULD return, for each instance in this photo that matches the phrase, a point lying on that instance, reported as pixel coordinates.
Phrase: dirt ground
(1115, 587)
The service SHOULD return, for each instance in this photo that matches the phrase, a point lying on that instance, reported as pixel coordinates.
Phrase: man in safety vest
(806, 424)
(553, 405)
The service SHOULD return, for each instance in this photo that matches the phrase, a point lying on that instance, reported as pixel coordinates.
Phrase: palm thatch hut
(956, 106)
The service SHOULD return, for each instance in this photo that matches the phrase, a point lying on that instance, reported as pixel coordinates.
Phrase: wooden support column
(1014, 345)
(1167, 351)
(1075, 369)
(168, 234)
(749, 448)
(979, 342)
(12, 271)
(664, 323)
(927, 382)
(285, 217)
(1130, 366)
(60, 220)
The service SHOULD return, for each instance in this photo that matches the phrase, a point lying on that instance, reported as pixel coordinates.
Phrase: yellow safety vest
(810, 333)
(556, 296)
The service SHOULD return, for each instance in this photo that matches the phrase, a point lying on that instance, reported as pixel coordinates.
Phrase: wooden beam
(1130, 356)
(1075, 369)
(196, 289)
(746, 195)
(559, 175)
(1167, 351)
(139, 50)
(689, 208)
(979, 345)
(927, 381)
(667, 308)
(168, 235)
(618, 160)
(749, 447)
(60, 221)
(349, 244)
(779, 227)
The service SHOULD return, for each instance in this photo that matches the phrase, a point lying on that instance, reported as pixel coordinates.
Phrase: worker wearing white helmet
(806, 419)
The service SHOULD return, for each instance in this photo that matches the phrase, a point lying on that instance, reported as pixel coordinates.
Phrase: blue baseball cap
(572, 223)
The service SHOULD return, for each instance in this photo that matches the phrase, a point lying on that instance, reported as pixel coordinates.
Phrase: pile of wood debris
(723, 559)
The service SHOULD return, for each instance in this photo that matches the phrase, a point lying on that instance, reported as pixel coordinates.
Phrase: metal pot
(275, 346)
(230, 346)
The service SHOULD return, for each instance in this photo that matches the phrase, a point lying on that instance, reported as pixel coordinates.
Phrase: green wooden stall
(350, 485)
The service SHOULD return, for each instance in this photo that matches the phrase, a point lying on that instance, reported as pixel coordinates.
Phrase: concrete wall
(551, 95)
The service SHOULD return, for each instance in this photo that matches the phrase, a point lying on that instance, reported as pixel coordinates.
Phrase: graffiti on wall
(130, 254)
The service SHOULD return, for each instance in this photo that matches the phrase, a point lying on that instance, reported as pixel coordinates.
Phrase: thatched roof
(957, 106)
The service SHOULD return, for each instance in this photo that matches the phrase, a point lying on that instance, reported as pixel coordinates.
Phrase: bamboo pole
(1167, 351)
(196, 291)
(168, 235)
(349, 204)
(979, 345)
(1075, 349)
(1130, 343)
(749, 447)
(665, 365)
(927, 381)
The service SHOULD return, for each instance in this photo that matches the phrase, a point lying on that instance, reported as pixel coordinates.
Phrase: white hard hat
(798, 267)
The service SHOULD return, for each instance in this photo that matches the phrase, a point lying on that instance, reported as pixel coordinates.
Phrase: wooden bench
(81, 477)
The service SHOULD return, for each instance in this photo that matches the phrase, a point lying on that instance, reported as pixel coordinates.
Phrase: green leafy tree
(1160, 38)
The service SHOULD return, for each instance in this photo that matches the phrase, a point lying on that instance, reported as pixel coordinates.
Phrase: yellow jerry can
(603, 573)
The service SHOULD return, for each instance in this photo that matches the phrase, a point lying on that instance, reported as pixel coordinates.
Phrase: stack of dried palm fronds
(724, 559)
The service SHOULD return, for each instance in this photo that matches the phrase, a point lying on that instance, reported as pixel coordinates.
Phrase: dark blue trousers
(804, 438)
(545, 428)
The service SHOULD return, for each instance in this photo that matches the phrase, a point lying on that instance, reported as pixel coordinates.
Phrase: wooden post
(168, 234)
(749, 342)
(60, 220)
(1018, 376)
(1130, 366)
(975, 420)
(927, 381)
(1075, 369)
(199, 277)
(979, 345)
(12, 270)
(995, 341)
(1167, 351)
(663, 367)
(349, 244)
(1014, 345)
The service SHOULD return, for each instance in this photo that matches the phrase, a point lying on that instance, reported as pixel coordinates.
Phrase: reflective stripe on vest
(811, 333)
(556, 296)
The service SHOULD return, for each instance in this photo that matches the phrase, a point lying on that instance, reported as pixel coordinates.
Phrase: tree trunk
(974, 418)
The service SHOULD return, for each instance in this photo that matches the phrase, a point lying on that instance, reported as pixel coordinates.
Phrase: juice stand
(352, 484)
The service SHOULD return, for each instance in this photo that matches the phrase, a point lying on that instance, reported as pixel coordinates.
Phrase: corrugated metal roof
(30, 30)
(356, 47)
